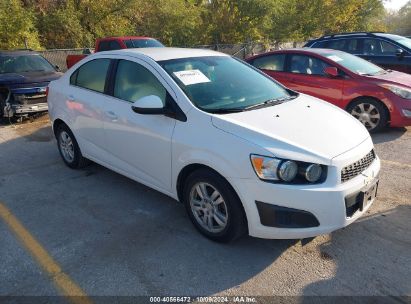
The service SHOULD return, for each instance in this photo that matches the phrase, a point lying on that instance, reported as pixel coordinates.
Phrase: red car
(375, 96)
(116, 43)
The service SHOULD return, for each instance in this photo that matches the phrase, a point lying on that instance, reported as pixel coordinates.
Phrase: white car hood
(305, 129)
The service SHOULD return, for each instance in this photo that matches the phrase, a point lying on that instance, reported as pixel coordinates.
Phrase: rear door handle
(112, 115)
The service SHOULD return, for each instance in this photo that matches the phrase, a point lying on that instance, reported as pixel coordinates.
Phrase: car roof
(165, 53)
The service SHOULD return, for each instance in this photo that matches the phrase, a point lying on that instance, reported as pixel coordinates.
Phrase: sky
(394, 4)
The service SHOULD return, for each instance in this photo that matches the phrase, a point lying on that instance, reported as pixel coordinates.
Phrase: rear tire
(370, 112)
(213, 206)
(69, 149)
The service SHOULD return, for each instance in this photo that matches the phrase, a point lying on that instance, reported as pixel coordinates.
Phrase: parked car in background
(116, 43)
(242, 152)
(386, 50)
(374, 96)
(24, 77)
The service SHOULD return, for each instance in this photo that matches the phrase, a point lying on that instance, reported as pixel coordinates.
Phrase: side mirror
(331, 71)
(57, 68)
(399, 53)
(149, 105)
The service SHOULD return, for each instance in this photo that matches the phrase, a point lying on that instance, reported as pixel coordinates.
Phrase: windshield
(405, 42)
(216, 84)
(24, 63)
(354, 64)
(142, 43)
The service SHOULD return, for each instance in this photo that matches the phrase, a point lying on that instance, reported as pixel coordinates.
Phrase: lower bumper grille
(351, 171)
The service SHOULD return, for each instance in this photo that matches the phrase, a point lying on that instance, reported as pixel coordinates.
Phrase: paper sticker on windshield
(191, 77)
(334, 58)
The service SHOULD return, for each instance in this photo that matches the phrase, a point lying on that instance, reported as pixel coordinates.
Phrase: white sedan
(243, 153)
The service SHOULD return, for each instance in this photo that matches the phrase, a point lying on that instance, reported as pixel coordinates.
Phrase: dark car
(386, 50)
(24, 77)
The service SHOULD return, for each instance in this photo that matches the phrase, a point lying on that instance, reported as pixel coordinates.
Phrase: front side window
(24, 63)
(388, 48)
(91, 75)
(133, 81)
(222, 84)
(302, 64)
(270, 62)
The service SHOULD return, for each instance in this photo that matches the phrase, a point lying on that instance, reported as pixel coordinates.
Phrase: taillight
(47, 91)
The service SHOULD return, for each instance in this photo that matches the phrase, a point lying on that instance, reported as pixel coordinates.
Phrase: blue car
(386, 50)
(24, 77)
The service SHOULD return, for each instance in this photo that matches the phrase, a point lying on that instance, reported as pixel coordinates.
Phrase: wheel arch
(56, 124)
(190, 168)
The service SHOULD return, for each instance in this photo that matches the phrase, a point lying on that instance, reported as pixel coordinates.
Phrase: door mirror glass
(331, 71)
(151, 104)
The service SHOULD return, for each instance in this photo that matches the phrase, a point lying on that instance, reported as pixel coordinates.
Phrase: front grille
(356, 168)
(29, 96)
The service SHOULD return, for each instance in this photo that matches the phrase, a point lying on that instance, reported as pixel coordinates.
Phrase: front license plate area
(367, 195)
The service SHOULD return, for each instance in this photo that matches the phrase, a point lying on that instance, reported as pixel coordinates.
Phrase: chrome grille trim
(355, 169)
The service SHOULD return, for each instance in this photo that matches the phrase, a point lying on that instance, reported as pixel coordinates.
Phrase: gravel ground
(113, 236)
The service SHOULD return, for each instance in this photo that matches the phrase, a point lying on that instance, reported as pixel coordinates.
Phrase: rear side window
(133, 81)
(91, 75)
(114, 45)
(352, 46)
(270, 62)
(337, 44)
(103, 46)
(109, 45)
(302, 64)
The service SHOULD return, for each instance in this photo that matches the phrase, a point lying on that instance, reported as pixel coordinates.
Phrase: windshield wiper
(270, 102)
(224, 111)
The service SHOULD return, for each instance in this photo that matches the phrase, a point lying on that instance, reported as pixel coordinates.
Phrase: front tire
(213, 206)
(69, 149)
(371, 113)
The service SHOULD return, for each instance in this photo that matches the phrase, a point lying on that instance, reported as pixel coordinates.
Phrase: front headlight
(287, 171)
(397, 90)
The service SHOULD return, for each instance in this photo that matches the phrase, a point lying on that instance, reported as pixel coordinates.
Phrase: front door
(306, 75)
(139, 144)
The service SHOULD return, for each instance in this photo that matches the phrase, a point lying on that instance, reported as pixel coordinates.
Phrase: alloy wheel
(66, 146)
(208, 207)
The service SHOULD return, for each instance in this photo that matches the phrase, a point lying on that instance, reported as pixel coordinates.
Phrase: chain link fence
(242, 51)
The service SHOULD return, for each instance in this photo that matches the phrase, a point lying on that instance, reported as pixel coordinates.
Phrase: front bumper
(11, 110)
(326, 202)
(400, 111)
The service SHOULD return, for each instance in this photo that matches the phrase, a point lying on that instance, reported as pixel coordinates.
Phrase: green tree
(17, 26)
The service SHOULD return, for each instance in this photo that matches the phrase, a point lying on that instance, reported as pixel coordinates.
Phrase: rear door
(85, 99)
(306, 75)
